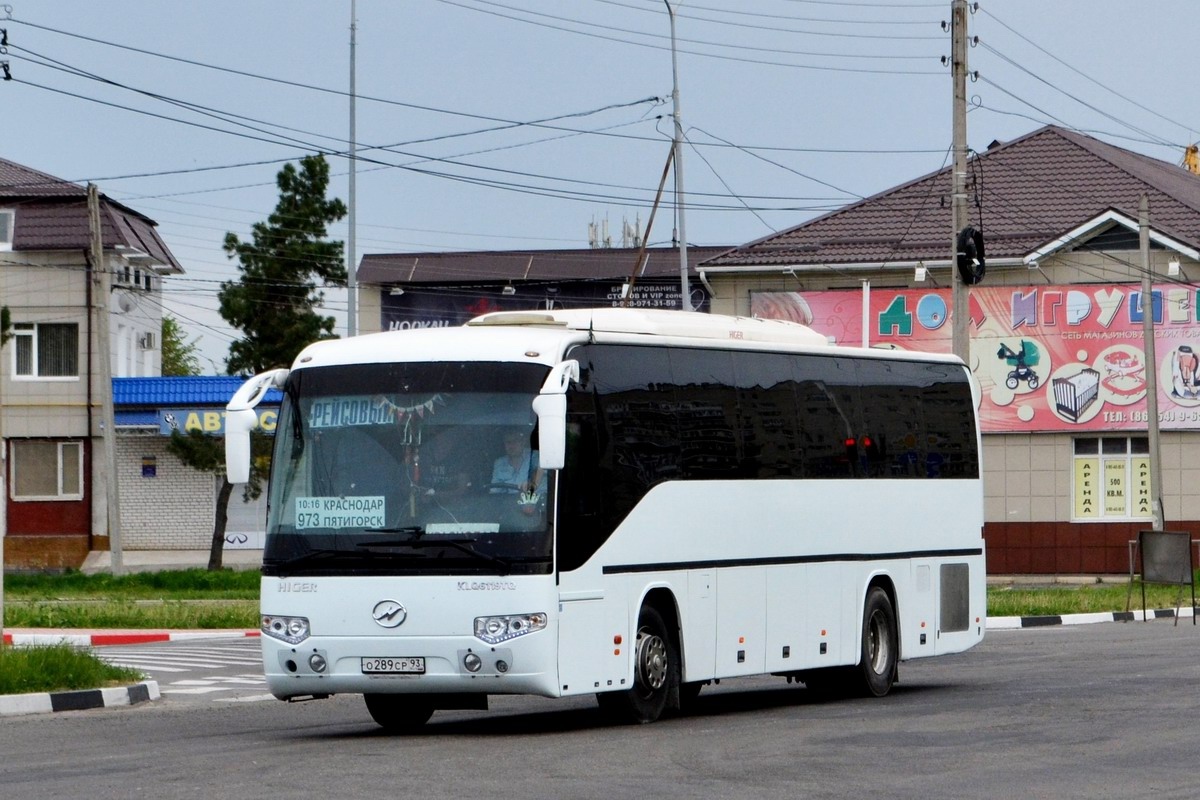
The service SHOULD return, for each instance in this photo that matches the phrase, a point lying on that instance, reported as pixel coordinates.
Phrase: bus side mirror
(551, 409)
(240, 419)
(238, 425)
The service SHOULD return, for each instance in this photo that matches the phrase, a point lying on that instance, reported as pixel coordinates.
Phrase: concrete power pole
(1151, 363)
(685, 297)
(102, 287)
(960, 312)
(351, 267)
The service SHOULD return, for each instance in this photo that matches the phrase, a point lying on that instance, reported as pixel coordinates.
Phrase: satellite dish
(125, 303)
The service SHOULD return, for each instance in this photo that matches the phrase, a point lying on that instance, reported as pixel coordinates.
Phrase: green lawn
(184, 599)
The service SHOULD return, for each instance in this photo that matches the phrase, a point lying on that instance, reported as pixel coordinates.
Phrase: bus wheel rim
(878, 643)
(651, 660)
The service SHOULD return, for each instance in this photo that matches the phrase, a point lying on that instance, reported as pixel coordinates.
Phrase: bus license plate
(412, 665)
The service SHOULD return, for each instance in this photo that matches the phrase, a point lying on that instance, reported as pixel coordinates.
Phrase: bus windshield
(408, 468)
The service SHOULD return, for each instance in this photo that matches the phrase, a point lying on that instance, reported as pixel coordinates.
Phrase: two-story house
(51, 387)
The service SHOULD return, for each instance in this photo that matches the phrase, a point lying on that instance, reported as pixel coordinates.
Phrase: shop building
(1055, 330)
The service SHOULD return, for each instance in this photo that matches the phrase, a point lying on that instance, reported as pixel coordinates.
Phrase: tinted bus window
(827, 404)
(706, 413)
(767, 420)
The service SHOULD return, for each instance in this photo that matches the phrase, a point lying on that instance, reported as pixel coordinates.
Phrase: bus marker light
(617, 638)
(616, 651)
(741, 640)
(823, 633)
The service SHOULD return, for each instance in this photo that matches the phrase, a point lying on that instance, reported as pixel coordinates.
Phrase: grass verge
(1053, 601)
(173, 599)
(60, 667)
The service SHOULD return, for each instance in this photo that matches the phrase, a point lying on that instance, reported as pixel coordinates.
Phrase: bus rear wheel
(880, 644)
(399, 713)
(655, 674)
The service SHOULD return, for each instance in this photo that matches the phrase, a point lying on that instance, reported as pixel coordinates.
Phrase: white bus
(689, 497)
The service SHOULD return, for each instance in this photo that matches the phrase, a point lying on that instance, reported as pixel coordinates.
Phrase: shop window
(1112, 478)
(45, 350)
(47, 470)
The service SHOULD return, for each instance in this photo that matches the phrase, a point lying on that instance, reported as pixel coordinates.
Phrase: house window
(7, 220)
(45, 350)
(45, 470)
(1112, 478)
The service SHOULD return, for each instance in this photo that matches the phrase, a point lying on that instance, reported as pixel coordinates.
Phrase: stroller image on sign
(1021, 362)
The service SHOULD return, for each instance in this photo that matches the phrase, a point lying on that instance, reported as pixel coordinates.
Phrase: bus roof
(543, 336)
(678, 324)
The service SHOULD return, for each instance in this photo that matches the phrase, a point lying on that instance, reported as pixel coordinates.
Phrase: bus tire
(880, 644)
(655, 674)
(399, 713)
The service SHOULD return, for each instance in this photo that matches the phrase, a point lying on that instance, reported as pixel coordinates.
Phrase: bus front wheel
(655, 673)
(880, 645)
(399, 713)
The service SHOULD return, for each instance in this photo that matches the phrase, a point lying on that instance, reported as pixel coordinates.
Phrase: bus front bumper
(323, 665)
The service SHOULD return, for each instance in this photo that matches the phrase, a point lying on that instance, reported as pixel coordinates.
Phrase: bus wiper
(462, 545)
(415, 530)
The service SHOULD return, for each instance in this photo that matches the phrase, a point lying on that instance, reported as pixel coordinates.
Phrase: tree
(273, 303)
(179, 356)
(207, 454)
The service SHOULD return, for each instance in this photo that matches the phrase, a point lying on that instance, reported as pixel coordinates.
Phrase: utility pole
(351, 277)
(685, 296)
(101, 288)
(960, 312)
(3, 499)
(1150, 362)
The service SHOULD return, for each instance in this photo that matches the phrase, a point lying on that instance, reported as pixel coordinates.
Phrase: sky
(516, 124)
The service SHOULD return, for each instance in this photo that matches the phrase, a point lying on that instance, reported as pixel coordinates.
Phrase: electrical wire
(740, 59)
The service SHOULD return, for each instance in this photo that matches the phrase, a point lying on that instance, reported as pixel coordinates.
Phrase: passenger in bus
(517, 471)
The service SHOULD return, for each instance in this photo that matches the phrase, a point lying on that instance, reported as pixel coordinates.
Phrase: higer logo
(389, 614)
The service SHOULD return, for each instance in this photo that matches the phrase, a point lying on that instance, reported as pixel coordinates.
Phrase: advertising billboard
(1047, 358)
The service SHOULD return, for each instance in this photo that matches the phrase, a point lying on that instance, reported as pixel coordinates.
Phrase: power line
(701, 54)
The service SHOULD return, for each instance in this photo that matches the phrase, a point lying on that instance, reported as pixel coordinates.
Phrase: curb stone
(102, 638)
(45, 702)
(1013, 623)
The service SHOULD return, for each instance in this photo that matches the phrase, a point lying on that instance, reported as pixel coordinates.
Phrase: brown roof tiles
(1023, 194)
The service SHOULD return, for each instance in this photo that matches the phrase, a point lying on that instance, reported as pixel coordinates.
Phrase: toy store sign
(1047, 358)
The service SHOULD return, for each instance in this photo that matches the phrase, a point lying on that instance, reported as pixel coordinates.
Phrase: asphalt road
(1095, 711)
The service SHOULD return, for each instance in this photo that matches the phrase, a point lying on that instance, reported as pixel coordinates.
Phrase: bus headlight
(494, 630)
(292, 630)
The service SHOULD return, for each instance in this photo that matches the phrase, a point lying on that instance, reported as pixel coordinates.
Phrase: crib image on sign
(1073, 395)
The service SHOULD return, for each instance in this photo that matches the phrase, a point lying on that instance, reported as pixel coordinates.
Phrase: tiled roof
(1023, 194)
(525, 265)
(205, 390)
(52, 214)
(17, 181)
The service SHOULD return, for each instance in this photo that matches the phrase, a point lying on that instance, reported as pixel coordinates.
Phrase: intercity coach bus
(696, 497)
